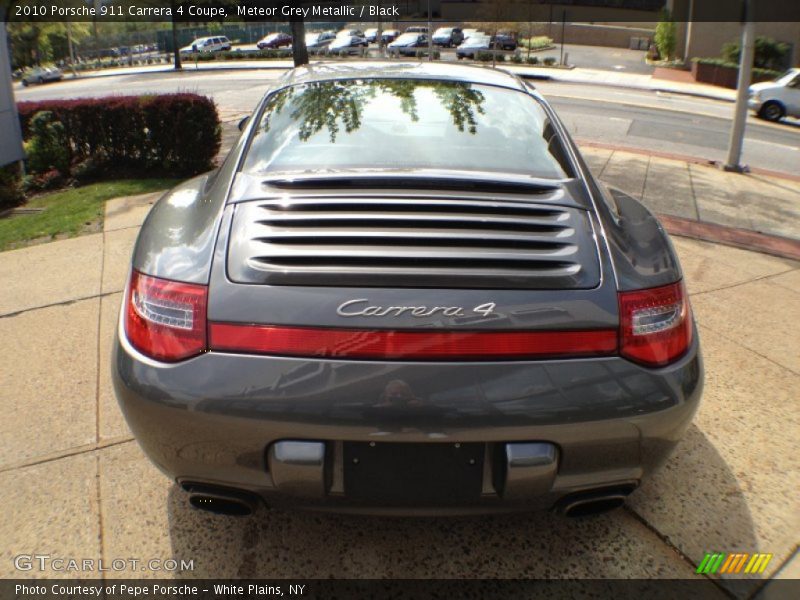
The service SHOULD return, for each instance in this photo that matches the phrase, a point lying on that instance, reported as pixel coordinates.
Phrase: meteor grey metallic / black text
(404, 292)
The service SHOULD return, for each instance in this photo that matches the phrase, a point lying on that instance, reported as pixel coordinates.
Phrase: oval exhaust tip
(596, 506)
(594, 502)
(221, 500)
(220, 506)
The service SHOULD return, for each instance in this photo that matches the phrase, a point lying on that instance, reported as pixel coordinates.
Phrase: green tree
(666, 37)
(40, 42)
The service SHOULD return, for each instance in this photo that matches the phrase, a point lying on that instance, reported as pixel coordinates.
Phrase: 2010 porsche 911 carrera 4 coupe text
(404, 292)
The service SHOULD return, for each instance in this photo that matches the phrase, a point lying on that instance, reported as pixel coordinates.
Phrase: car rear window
(405, 124)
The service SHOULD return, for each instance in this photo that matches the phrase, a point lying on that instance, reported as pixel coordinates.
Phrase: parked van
(773, 100)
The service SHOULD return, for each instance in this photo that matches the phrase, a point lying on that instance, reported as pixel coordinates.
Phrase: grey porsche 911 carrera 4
(403, 292)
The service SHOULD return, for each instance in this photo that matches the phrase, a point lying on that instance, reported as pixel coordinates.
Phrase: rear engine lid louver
(416, 241)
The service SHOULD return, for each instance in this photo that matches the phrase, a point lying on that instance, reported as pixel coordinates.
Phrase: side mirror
(243, 123)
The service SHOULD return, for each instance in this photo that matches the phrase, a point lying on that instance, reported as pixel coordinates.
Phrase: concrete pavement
(698, 192)
(80, 486)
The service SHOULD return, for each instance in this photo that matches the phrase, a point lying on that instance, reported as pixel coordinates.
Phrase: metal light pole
(746, 53)
(430, 33)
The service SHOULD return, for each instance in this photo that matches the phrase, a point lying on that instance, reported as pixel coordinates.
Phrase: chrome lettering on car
(355, 308)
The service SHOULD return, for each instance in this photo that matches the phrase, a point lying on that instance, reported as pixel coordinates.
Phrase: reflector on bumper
(413, 345)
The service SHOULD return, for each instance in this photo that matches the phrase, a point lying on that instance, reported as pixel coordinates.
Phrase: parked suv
(504, 40)
(448, 37)
(773, 100)
(208, 44)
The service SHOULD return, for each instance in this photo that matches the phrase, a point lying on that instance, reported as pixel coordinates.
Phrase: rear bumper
(216, 419)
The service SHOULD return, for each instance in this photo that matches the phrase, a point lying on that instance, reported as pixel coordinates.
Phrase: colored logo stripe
(737, 562)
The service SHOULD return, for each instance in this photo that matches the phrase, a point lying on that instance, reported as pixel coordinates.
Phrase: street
(641, 119)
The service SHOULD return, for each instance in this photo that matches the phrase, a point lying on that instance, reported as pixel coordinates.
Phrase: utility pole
(176, 49)
(71, 49)
(430, 33)
(746, 53)
(379, 33)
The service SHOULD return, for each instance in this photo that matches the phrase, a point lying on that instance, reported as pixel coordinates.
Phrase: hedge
(176, 133)
(757, 72)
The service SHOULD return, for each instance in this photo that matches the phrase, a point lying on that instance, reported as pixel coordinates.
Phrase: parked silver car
(474, 45)
(320, 40)
(461, 320)
(42, 75)
(349, 40)
(408, 44)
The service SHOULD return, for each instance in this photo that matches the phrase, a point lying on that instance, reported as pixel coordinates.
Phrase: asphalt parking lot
(80, 487)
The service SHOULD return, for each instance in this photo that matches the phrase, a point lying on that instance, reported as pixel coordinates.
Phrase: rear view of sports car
(404, 292)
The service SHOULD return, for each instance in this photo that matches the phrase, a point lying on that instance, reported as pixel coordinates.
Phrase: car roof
(395, 70)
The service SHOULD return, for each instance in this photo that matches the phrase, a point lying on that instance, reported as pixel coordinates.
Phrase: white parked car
(42, 75)
(208, 44)
(773, 100)
(319, 40)
(348, 40)
(471, 32)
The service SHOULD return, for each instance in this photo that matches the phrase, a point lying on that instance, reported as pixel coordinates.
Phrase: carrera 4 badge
(360, 307)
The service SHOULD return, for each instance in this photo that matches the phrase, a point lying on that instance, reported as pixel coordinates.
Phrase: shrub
(47, 147)
(178, 133)
(49, 180)
(424, 53)
(532, 60)
(10, 189)
(516, 58)
(484, 56)
(666, 36)
(549, 61)
(537, 42)
(768, 54)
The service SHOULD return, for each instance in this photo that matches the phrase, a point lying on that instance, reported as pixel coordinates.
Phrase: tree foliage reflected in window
(403, 124)
(326, 104)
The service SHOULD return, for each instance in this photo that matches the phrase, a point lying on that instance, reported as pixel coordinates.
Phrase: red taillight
(164, 319)
(655, 324)
(410, 345)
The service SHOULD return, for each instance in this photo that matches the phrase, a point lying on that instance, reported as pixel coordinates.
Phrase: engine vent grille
(411, 242)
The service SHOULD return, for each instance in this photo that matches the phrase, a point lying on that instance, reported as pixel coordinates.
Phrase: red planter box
(720, 75)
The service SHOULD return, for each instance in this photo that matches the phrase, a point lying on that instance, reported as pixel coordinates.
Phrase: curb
(732, 236)
(172, 69)
(623, 86)
(691, 93)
